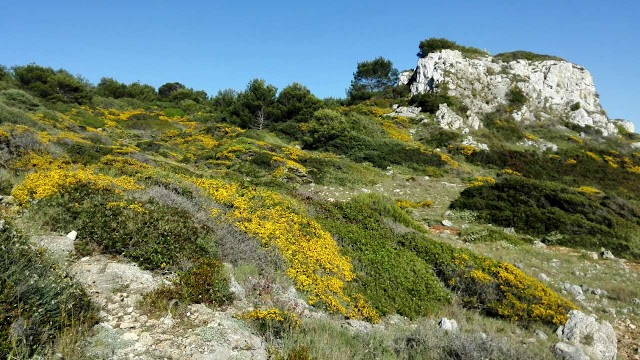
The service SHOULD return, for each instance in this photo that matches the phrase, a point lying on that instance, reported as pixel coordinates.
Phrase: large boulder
(448, 119)
(597, 340)
(553, 88)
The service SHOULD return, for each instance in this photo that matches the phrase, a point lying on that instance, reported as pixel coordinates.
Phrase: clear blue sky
(213, 45)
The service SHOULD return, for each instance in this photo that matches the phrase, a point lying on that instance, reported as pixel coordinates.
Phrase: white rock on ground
(566, 351)
(124, 333)
(406, 111)
(596, 340)
(72, 235)
(448, 324)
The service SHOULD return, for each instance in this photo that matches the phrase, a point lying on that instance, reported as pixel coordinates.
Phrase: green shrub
(85, 153)
(19, 99)
(15, 116)
(430, 102)
(539, 207)
(435, 44)
(204, 283)
(154, 235)
(273, 323)
(524, 55)
(392, 279)
(503, 125)
(474, 234)
(575, 106)
(516, 98)
(493, 287)
(37, 299)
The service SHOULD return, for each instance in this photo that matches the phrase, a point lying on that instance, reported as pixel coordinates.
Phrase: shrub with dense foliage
(391, 277)
(539, 207)
(372, 78)
(524, 55)
(37, 299)
(496, 288)
(435, 44)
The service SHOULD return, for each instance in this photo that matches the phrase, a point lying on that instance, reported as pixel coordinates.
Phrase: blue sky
(213, 45)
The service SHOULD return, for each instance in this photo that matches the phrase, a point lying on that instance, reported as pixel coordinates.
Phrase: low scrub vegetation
(584, 219)
(524, 55)
(38, 301)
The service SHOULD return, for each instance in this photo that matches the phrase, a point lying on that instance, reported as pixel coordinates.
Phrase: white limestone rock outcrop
(554, 89)
(449, 120)
(405, 111)
(597, 340)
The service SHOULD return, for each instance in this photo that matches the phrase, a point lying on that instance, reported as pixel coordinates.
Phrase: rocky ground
(125, 332)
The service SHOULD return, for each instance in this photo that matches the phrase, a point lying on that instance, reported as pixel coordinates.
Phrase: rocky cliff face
(555, 89)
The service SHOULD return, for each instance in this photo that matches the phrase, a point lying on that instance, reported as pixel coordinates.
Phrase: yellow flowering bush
(482, 181)
(510, 172)
(589, 190)
(593, 156)
(39, 185)
(271, 321)
(575, 139)
(312, 256)
(407, 204)
(502, 289)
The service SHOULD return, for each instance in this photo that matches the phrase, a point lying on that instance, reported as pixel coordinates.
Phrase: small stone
(519, 266)
(8, 200)
(543, 277)
(539, 244)
(448, 325)
(566, 351)
(593, 255)
(607, 255)
(72, 235)
(574, 290)
(130, 336)
(509, 230)
(540, 334)
(447, 223)
(635, 301)
(127, 325)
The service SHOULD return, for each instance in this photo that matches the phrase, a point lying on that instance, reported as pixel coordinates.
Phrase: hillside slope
(307, 227)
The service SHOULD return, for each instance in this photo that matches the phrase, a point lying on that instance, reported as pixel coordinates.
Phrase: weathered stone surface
(406, 111)
(566, 351)
(448, 324)
(405, 77)
(471, 142)
(574, 290)
(596, 340)
(448, 119)
(552, 87)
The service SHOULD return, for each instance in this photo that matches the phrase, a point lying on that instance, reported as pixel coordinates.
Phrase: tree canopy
(372, 78)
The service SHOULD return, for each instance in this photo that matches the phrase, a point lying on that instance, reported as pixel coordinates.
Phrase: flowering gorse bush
(39, 185)
(501, 289)
(312, 256)
(271, 321)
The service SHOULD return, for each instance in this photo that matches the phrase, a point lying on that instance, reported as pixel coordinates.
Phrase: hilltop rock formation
(554, 89)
